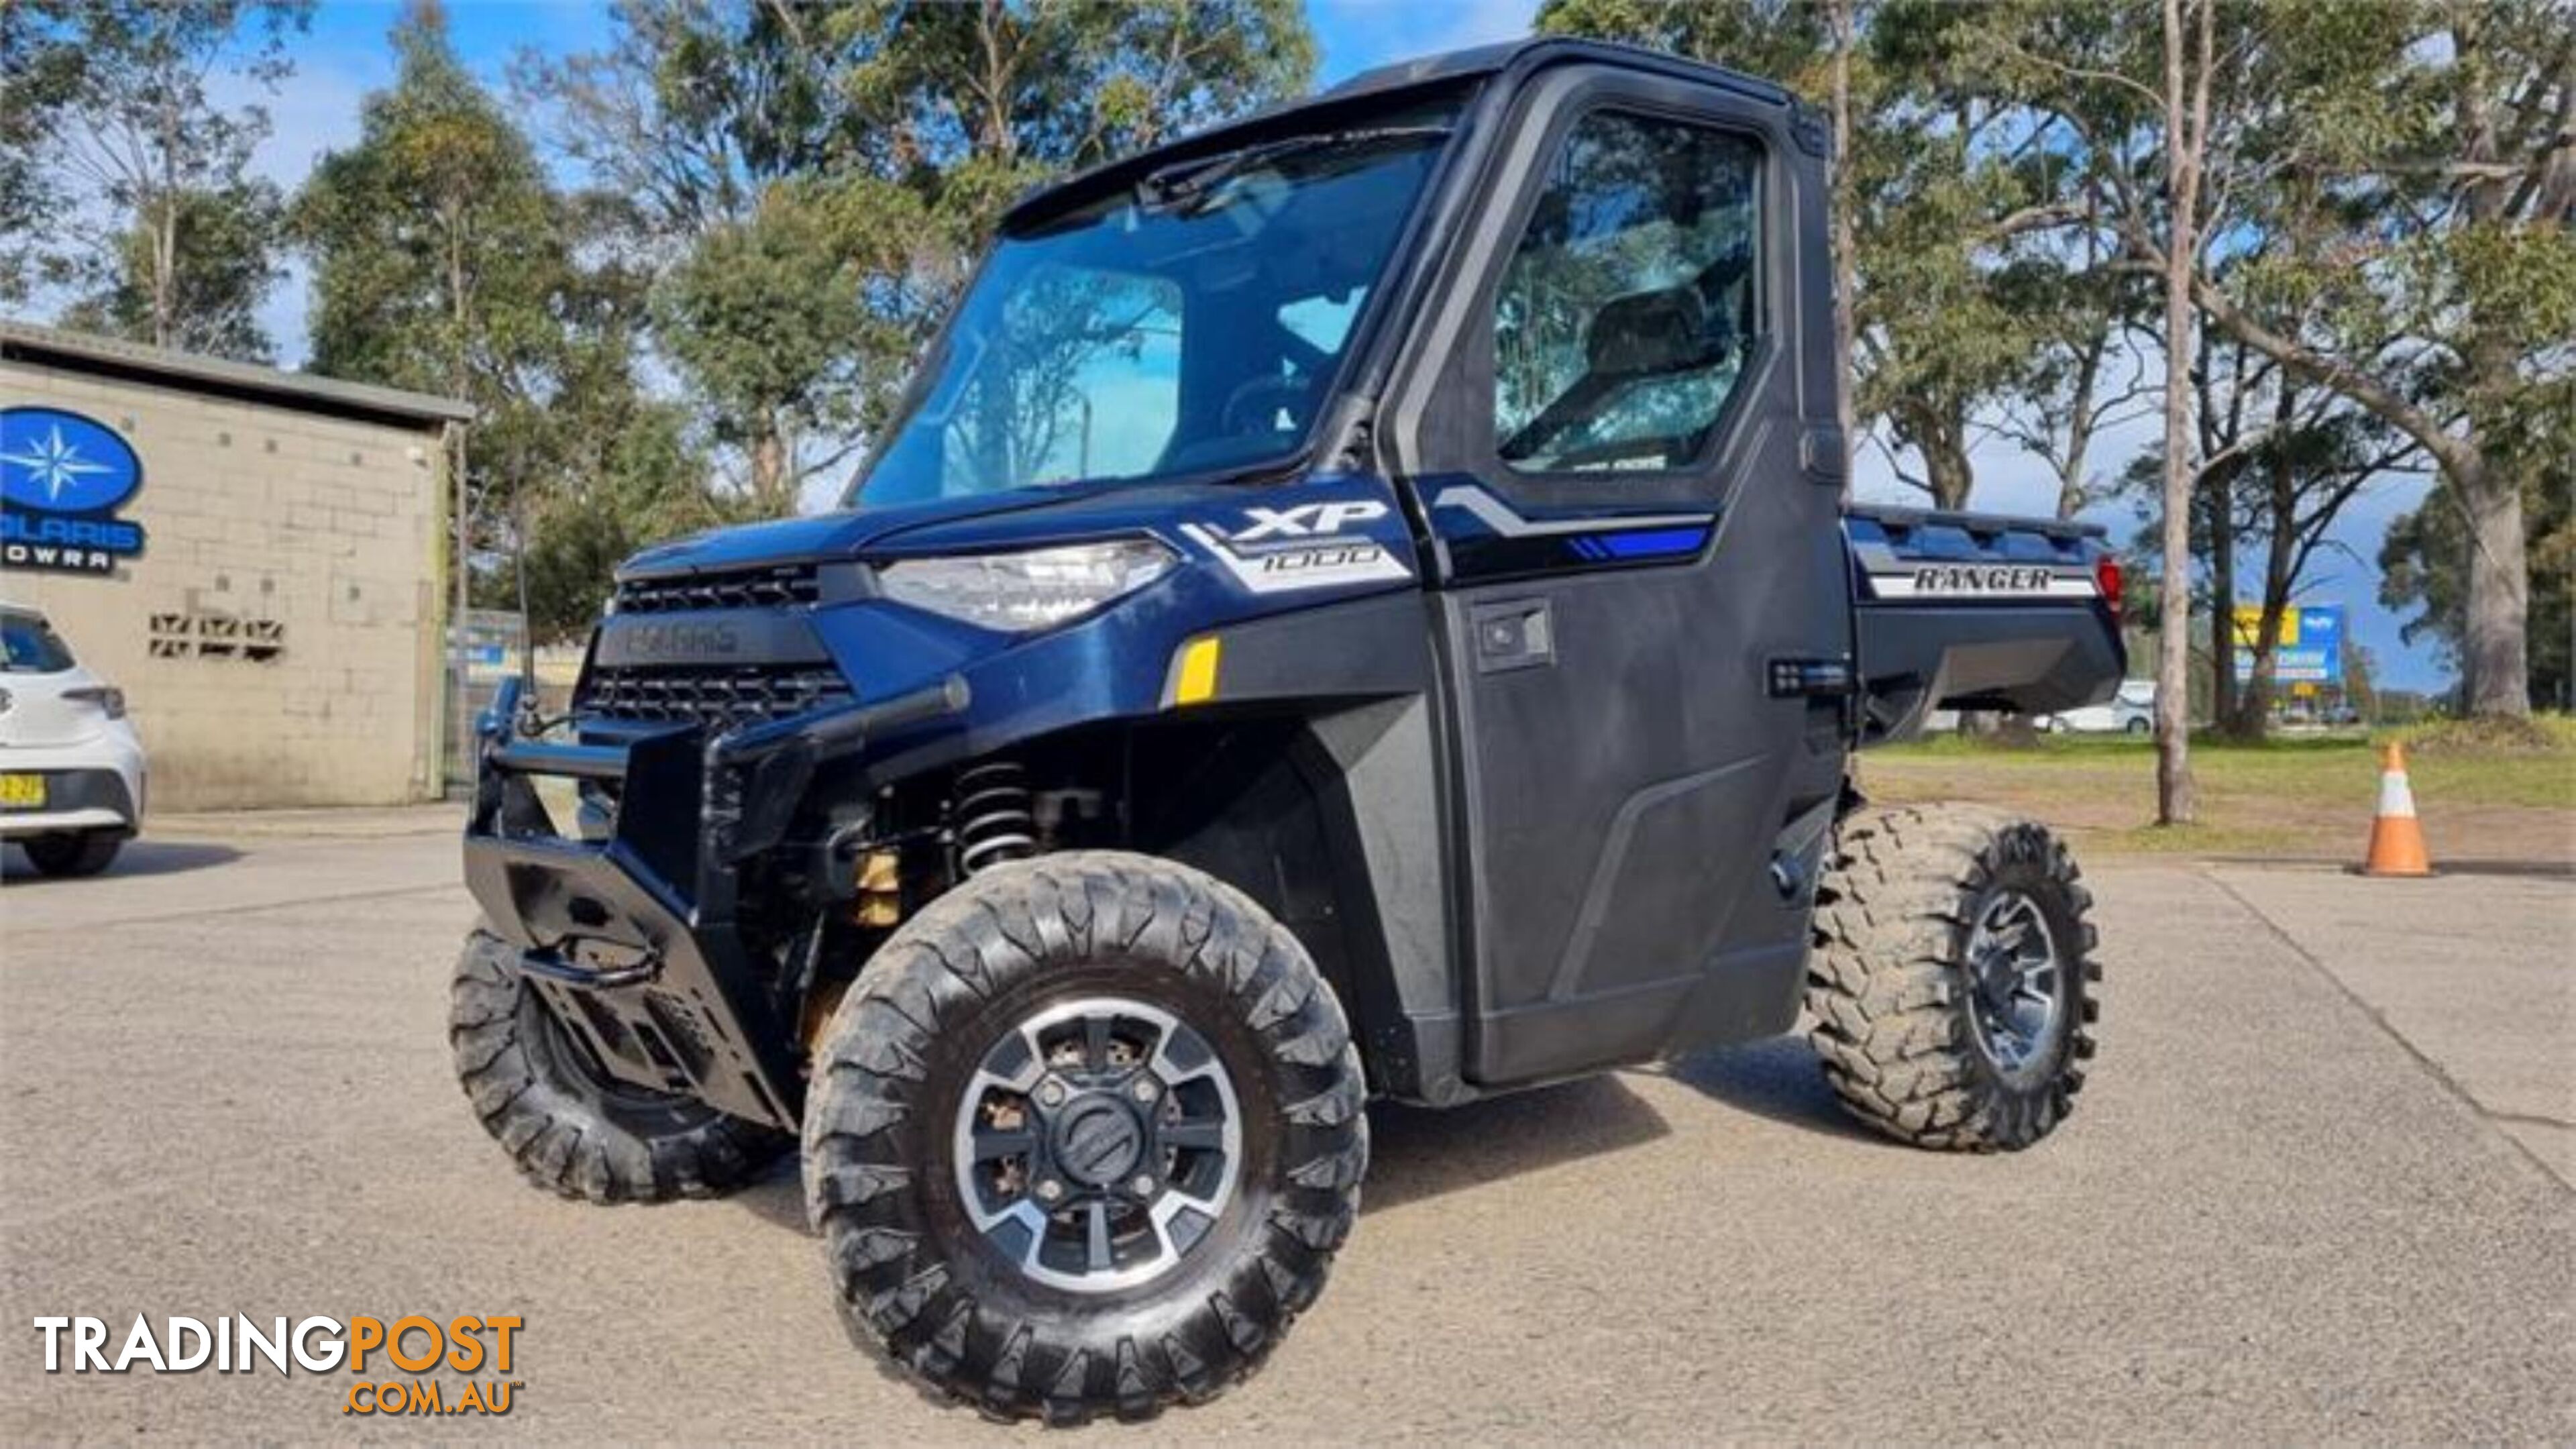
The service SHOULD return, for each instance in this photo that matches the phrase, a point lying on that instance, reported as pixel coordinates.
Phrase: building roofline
(106, 356)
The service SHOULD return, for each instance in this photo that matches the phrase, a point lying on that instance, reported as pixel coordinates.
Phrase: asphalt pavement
(2319, 1187)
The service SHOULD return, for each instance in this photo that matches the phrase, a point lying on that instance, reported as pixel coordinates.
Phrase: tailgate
(1974, 611)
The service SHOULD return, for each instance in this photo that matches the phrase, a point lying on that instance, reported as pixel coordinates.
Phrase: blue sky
(345, 56)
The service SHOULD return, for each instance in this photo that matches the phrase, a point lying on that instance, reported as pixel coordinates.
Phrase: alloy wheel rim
(2016, 985)
(1097, 1143)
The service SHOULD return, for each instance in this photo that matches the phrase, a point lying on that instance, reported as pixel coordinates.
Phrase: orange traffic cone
(2396, 838)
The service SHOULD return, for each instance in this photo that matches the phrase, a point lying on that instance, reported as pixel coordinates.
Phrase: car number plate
(22, 792)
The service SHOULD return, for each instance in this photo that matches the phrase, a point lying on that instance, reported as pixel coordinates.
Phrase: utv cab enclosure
(1355, 603)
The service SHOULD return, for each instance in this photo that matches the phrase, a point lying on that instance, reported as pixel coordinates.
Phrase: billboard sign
(2310, 651)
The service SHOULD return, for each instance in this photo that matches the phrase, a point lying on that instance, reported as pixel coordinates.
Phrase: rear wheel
(570, 1126)
(86, 853)
(1083, 1139)
(1952, 980)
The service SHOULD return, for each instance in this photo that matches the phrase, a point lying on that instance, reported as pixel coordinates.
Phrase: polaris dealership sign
(62, 479)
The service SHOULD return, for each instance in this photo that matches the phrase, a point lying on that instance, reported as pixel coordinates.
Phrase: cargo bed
(1978, 611)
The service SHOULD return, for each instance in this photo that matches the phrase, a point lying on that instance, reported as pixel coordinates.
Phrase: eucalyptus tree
(126, 176)
(814, 177)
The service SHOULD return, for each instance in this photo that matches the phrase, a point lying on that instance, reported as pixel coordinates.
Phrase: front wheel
(1084, 1137)
(1952, 977)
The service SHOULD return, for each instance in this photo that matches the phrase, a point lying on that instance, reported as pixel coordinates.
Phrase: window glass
(1190, 323)
(31, 647)
(1627, 312)
(1081, 380)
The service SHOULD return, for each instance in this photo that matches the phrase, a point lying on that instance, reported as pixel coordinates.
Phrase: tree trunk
(1946, 468)
(165, 230)
(2495, 659)
(2495, 652)
(2218, 487)
(2080, 422)
(2280, 568)
(772, 490)
(2176, 802)
(1846, 264)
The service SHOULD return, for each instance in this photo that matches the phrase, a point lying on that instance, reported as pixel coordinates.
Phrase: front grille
(718, 696)
(773, 587)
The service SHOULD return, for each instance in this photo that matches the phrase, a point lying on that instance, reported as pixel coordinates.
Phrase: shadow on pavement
(1417, 1153)
(778, 1198)
(138, 858)
(1776, 1079)
(1414, 1152)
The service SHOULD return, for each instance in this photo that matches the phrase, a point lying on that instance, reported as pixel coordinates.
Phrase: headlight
(1038, 589)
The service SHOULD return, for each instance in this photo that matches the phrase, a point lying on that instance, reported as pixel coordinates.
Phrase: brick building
(268, 589)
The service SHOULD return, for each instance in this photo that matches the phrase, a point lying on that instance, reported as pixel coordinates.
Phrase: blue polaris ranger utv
(1357, 603)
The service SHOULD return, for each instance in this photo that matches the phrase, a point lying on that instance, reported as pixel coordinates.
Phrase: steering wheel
(1235, 417)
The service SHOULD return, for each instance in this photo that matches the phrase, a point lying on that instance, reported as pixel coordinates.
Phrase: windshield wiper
(1184, 182)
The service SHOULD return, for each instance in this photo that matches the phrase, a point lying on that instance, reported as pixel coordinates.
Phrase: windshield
(1194, 323)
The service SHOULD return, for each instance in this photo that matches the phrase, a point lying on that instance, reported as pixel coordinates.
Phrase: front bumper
(633, 941)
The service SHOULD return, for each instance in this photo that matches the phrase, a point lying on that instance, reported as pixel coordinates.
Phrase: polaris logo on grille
(707, 637)
(676, 643)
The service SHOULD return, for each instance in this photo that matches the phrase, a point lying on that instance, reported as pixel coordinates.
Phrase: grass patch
(2504, 791)
(2202, 840)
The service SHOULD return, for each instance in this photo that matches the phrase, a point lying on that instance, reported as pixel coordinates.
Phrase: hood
(1023, 517)
(823, 537)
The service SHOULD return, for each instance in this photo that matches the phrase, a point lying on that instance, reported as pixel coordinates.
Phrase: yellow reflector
(1198, 672)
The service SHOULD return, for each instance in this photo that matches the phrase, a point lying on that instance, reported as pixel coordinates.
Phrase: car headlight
(1036, 589)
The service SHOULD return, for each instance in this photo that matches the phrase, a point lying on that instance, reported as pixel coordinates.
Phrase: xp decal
(62, 477)
(1305, 546)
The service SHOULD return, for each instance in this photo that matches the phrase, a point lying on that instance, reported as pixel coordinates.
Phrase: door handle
(1513, 634)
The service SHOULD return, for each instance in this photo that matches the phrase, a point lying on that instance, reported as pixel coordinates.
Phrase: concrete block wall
(329, 528)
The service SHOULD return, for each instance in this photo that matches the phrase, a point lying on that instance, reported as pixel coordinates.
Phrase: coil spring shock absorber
(993, 818)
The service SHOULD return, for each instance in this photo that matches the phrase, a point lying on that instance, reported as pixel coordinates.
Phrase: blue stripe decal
(1651, 543)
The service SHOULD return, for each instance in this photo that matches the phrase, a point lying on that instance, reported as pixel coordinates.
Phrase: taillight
(2108, 578)
(109, 698)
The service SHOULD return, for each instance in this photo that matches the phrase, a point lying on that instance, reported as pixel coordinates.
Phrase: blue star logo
(55, 463)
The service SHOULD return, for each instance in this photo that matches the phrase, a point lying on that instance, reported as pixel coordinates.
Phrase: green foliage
(818, 178)
(121, 176)
(770, 319)
(223, 266)
(438, 245)
(444, 260)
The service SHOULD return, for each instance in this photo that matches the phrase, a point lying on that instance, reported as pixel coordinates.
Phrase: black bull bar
(632, 940)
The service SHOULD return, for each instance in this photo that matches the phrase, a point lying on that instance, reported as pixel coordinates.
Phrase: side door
(1615, 429)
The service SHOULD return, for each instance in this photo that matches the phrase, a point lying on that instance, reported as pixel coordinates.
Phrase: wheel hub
(1097, 1143)
(2016, 985)
(1096, 1139)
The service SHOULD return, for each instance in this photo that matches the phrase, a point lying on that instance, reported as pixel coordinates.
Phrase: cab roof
(1370, 90)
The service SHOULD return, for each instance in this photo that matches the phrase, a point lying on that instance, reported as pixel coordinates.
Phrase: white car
(2132, 711)
(71, 769)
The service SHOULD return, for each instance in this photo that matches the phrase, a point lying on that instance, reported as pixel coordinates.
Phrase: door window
(1625, 315)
